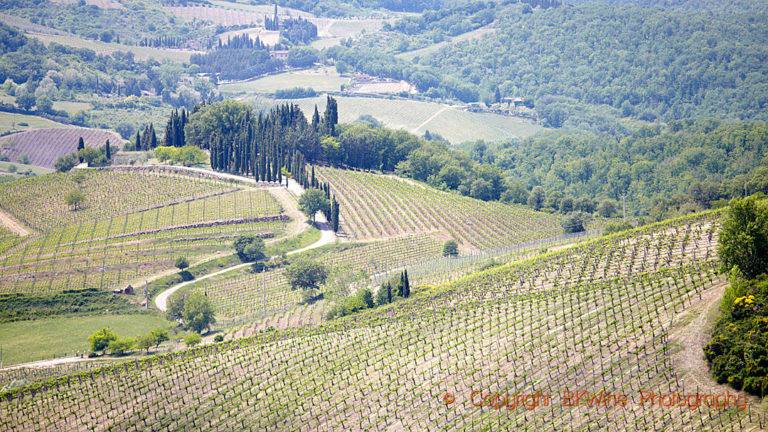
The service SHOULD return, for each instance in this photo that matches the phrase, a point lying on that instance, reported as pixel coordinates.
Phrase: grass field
(10, 122)
(21, 168)
(27, 341)
(320, 79)
(453, 124)
(140, 53)
(71, 107)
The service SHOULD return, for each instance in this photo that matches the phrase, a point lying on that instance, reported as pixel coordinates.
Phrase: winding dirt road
(326, 233)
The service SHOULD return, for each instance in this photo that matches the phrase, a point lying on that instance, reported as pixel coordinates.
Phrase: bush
(614, 227)
(101, 339)
(575, 222)
(218, 338)
(192, 339)
(249, 247)
(121, 346)
(295, 93)
(450, 248)
(66, 163)
(181, 263)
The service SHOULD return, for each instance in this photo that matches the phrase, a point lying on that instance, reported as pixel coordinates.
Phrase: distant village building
(279, 54)
(512, 100)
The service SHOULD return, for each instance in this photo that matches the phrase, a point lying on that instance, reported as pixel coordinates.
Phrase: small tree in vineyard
(74, 198)
(198, 312)
(450, 248)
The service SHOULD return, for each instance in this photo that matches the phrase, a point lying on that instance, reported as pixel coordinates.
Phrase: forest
(683, 167)
(645, 63)
(138, 22)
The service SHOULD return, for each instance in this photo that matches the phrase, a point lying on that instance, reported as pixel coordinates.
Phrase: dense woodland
(139, 22)
(683, 167)
(647, 63)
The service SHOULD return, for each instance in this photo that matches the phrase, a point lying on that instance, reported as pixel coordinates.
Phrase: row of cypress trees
(387, 292)
(174, 129)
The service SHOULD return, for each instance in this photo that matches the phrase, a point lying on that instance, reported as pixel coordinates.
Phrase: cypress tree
(107, 151)
(335, 215)
(170, 130)
(80, 146)
(313, 183)
(152, 137)
(389, 292)
(315, 120)
(407, 284)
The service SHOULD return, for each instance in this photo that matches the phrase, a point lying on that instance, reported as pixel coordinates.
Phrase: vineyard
(144, 221)
(103, 4)
(44, 146)
(39, 202)
(260, 300)
(217, 15)
(594, 317)
(376, 206)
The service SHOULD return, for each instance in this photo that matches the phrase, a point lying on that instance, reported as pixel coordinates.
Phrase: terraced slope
(592, 318)
(376, 206)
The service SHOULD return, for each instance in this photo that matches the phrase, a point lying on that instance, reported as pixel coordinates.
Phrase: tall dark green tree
(331, 117)
(335, 215)
(107, 151)
(80, 146)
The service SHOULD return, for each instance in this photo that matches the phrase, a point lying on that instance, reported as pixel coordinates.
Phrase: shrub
(192, 339)
(450, 248)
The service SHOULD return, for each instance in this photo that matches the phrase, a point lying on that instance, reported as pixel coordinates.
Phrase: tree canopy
(743, 238)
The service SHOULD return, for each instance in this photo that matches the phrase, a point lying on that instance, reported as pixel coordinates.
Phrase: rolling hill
(593, 318)
(44, 146)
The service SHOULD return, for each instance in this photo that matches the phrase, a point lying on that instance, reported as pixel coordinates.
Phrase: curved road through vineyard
(326, 237)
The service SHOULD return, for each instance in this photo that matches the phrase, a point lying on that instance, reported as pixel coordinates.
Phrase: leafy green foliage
(198, 312)
(664, 171)
(575, 222)
(737, 353)
(298, 31)
(743, 239)
(175, 309)
(249, 247)
(306, 274)
(614, 227)
(187, 155)
(16, 307)
(121, 346)
(192, 339)
(101, 339)
(313, 201)
(450, 248)
(181, 263)
(74, 198)
(233, 64)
